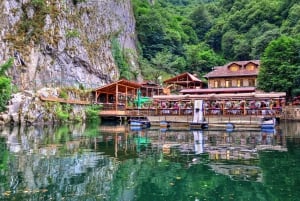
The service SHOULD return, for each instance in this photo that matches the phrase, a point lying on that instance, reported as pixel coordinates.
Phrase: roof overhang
(123, 86)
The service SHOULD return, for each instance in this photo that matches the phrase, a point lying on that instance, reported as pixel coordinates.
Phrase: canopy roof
(122, 85)
(184, 79)
(218, 90)
(229, 96)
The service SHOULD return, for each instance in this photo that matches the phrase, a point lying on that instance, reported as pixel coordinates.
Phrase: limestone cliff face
(65, 42)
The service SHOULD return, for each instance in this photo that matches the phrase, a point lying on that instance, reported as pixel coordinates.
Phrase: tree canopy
(280, 63)
(202, 34)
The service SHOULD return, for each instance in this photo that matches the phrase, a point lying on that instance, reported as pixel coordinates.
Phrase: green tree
(151, 33)
(120, 60)
(201, 21)
(167, 62)
(280, 63)
(291, 24)
(200, 58)
(261, 35)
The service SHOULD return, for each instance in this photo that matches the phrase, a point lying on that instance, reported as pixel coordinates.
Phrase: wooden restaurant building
(231, 90)
(116, 96)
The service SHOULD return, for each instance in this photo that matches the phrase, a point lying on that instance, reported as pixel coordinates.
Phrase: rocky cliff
(62, 44)
(65, 42)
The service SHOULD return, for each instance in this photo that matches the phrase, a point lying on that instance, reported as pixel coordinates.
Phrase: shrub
(63, 94)
(72, 33)
(92, 112)
(5, 85)
(61, 114)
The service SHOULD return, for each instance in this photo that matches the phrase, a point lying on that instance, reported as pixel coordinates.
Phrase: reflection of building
(238, 172)
(241, 145)
(198, 141)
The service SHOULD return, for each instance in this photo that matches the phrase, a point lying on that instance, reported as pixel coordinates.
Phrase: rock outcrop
(27, 108)
(65, 43)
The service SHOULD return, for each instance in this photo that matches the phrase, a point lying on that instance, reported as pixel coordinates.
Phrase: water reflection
(115, 162)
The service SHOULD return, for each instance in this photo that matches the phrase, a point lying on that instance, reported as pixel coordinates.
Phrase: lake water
(115, 162)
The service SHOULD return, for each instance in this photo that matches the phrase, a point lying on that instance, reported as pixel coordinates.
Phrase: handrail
(190, 112)
(63, 100)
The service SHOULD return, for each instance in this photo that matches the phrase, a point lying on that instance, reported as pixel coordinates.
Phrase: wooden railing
(188, 112)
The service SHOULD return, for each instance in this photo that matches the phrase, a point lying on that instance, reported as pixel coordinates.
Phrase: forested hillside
(196, 35)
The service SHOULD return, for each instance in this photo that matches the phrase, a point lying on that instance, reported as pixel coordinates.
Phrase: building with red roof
(234, 74)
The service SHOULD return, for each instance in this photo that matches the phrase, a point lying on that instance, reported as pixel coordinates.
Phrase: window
(239, 83)
(228, 83)
(251, 82)
(234, 67)
(250, 67)
(216, 84)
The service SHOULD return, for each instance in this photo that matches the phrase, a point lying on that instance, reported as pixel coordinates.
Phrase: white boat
(268, 122)
(139, 122)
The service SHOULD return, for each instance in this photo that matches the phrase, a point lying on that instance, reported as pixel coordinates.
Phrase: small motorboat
(139, 122)
(268, 122)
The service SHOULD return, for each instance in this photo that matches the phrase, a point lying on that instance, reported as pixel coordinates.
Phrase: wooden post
(96, 96)
(117, 97)
(245, 111)
(126, 98)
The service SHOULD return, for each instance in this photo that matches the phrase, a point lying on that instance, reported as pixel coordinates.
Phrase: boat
(139, 122)
(268, 122)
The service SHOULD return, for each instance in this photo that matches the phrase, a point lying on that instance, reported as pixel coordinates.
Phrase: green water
(99, 162)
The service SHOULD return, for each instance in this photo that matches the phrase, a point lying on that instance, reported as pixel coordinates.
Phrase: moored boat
(268, 122)
(139, 122)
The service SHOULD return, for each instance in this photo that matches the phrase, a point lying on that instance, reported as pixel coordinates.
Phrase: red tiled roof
(223, 71)
(218, 90)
